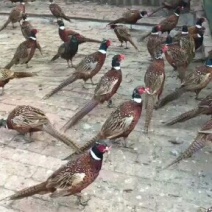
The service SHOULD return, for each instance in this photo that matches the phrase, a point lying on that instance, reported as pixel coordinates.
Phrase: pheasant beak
(108, 149)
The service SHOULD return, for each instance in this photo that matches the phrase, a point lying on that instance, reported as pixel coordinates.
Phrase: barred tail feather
(10, 64)
(5, 25)
(92, 40)
(24, 74)
(53, 132)
(132, 43)
(120, 20)
(185, 116)
(62, 85)
(160, 8)
(79, 115)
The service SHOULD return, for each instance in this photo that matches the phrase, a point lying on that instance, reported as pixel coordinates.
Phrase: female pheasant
(123, 34)
(25, 51)
(68, 50)
(65, 35)
(105, 89)
(70, 179)
(154, 79)
(194, 81)
(57, 11)
(122, 121)
(15, 15)
(87, 68)
(27, 119)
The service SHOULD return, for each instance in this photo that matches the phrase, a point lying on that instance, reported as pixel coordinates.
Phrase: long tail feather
(66, 18)
(10, 64)
(24, 74)
(185, 116)
(53, 132)
(29, 191)
(132, 43)
(79, 115)
(170, 97)
(120, 20)
(87, 146)
(62, 85)
(92, 40)
(5, 25)
(160, 8)
(145, 36)
(55, 57)
(198, 144)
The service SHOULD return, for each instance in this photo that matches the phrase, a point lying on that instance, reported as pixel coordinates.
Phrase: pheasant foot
(81, 200)
(22, 137)
(110, 104)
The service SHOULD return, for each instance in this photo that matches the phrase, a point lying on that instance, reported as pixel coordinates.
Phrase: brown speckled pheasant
(15, 15)
(203, 138)
(65, 34)
(25, 51)
(87, 68)
(69, 179)
(204, 108)
(6, 75)
(123, 34)
(27, 119)
(105, 89)
(154, 79)
(68, 50)
(194, 81)
(176, 57)
(130, 17)
(154, 41)
(57, 11)
(122, 121)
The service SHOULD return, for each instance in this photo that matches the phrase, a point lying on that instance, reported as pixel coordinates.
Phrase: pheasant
(171, 5)
(204, 136)
(123, 34)
(177, 57)
(122, 121)
(65, 35)
(68, 49)
(105, 89)
(87, 68)
(130, 17)
(25, 51)
(6, 75)
(27, 119)
(57, 11)
(154, 79)
(154, 43)
(71, 178)
(194, 81)
(204, 107)
(168, 24)
(15, 15)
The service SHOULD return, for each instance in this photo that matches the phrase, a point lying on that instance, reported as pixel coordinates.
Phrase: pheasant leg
(126, 144)
(81, 201)
(121, 44)
(22, 137)
(2, 91)
(126, 46)
(110, 104)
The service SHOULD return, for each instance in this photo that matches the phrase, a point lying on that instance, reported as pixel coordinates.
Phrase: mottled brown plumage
(194, 81)
(15, 15)
(123, 34)
(154, 79)
(105, 89)
(65, 34)
(27, 119)
(203, 108)
(6, 75)
(57, 11)
(25, 51)
(87, 68)
(122, 121)
(69, 179)
(204, 137)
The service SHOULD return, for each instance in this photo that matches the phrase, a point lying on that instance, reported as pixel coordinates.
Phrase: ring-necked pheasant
(57, 11)
(6, 75)
(203, 138)
(27, 119)
(154, 43)
(203, 108)
(25, 51)
(122, 121)
(123, 34)
(87, 68)
(194, 81)
(68, 50)
(15, 15)
(177, 57)
(69, 179)
(154, 79)
(65, 35)
(130, 17)
(105, 89)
